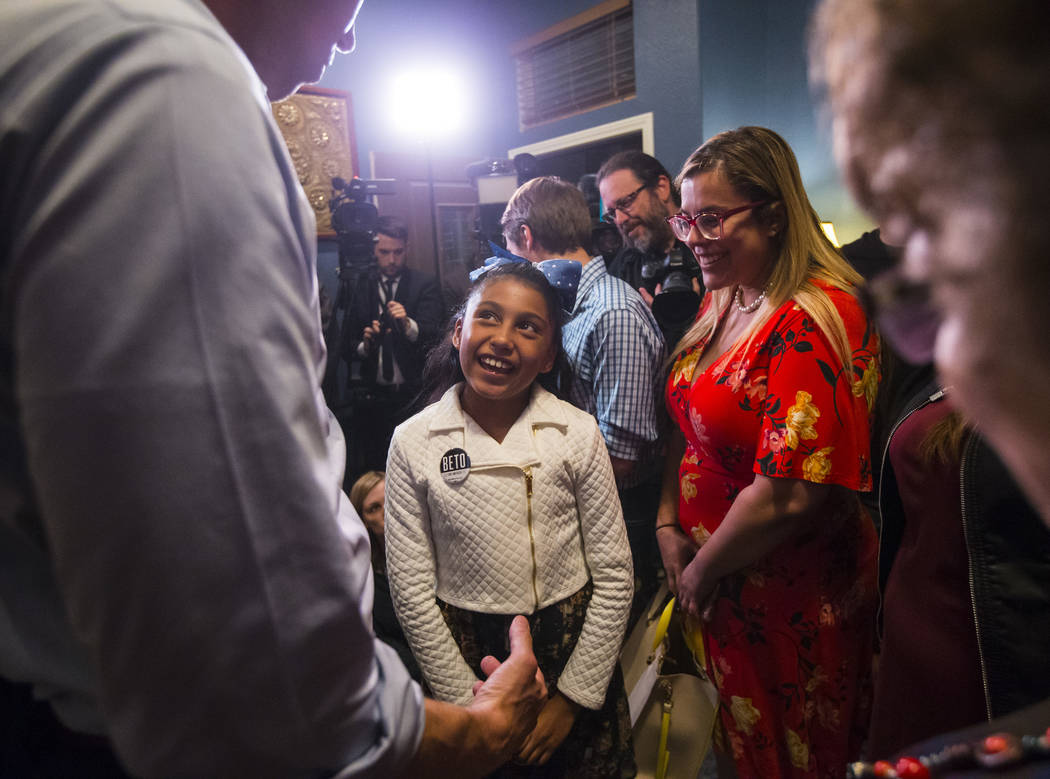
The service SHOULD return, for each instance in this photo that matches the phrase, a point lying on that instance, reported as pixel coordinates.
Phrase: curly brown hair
(941, 102)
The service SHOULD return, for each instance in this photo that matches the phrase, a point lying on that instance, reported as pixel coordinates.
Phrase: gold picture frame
(317, 125)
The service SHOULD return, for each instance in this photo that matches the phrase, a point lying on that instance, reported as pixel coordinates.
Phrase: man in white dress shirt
(180, 575)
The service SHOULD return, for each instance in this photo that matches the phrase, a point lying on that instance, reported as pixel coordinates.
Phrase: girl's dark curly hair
(442, 370)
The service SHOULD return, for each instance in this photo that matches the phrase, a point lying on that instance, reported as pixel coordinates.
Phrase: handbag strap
(663, 755)
(693, 634)
(661, 626)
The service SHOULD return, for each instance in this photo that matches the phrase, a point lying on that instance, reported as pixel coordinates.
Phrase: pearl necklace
(738, 298)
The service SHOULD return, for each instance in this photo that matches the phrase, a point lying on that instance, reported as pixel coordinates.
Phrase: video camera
(606, 240)
(675, 306)
(354, 220)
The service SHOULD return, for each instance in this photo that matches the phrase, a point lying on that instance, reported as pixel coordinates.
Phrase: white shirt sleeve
(411, 329)
(413, 577)
(165, 332)
(586, 676)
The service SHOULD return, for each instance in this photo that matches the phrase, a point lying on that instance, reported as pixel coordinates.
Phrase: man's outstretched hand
(508, 702)
(473, 741)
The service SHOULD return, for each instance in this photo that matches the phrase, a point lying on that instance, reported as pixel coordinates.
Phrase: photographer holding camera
(639, 196)
(396, 321)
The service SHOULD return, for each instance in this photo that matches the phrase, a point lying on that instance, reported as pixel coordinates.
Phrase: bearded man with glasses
(637, 192)
(639, 196)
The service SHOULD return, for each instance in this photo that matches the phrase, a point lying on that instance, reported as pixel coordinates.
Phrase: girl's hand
(676, 551)
(552, 726)
(695, 592)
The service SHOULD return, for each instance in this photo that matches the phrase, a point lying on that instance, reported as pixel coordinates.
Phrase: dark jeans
(34, 744)
(639, 514)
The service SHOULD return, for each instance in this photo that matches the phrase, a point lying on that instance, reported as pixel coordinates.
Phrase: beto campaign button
(455, 466)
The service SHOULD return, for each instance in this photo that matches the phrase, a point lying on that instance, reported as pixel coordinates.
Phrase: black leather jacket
(1009, 566)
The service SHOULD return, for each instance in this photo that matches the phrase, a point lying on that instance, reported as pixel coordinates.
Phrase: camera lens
(677, 302)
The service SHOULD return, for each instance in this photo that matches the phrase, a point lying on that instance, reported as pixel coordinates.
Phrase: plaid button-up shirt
(617, 353)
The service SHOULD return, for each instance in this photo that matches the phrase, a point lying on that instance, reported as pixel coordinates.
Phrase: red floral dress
(790, 644)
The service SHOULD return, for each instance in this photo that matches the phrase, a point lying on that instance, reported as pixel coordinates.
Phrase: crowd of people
(187, 591)
(774, 413)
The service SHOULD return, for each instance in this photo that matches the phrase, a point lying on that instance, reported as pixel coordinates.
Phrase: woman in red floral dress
(760, 527)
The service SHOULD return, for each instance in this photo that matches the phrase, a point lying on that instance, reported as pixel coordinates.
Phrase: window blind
(589, 66)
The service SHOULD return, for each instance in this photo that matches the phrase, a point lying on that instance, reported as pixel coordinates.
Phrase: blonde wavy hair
(364, 485)
(760, 165)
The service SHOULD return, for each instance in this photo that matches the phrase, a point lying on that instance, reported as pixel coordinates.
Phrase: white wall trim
(631, 124)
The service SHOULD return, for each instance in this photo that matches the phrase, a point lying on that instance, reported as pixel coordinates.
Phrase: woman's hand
(695, 590)
(764, 515)
(676, 551)
(676, 548)
(553, 725)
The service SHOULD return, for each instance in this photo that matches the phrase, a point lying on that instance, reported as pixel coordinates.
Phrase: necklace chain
(752, 307)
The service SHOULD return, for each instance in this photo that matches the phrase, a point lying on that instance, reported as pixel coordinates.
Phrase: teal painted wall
(753, 60)
(702, 66)
(476, 37)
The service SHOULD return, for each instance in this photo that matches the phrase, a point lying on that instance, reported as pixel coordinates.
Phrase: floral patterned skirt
(599, 745)
(790, 649)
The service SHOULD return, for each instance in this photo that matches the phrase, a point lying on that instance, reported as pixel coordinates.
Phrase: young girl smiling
(501, 501)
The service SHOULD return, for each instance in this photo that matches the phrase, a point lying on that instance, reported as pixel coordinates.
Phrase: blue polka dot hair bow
(563, 275)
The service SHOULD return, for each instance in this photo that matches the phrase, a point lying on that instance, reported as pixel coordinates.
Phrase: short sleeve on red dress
(816, 411)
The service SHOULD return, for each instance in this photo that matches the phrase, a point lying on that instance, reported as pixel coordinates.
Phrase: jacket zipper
(882, 525)
(527, 470)
(968, 450)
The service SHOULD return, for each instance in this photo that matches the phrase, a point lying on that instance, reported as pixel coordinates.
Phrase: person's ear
(457, 333)
(552, 355)
(662, 189)
(777, 219)
(528, 240)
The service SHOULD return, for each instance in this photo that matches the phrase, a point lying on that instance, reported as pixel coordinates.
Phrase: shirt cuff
(398, 727)
(411, 329)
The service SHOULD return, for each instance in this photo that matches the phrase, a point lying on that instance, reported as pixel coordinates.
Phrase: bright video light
(829, 231)
(428, 102)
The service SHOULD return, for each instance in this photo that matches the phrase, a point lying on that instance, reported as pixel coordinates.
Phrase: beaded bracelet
(994, 752)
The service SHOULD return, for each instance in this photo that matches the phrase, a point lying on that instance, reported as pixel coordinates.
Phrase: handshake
(496, 727)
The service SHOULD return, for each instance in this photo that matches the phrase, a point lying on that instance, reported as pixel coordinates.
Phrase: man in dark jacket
(395, 320)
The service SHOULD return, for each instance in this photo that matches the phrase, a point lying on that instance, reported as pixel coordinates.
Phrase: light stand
(428, 104)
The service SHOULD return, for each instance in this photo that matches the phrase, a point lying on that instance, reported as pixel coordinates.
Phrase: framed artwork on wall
(317, 125)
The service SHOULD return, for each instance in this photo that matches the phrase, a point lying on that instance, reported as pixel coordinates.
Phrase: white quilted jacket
(470, 540)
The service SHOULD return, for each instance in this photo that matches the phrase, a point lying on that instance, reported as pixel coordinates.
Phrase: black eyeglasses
(710, 224)
(622, 204)
(904, 312)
